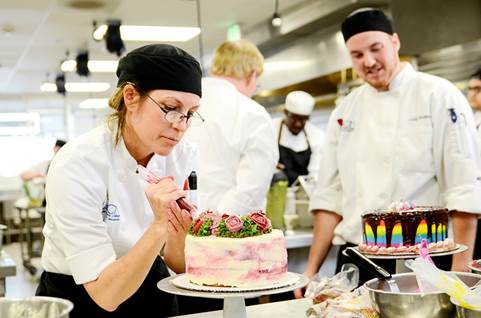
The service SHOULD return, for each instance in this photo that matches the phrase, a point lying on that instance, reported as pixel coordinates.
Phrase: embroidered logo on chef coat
(418, 118)
(346, 125)
(110, 212)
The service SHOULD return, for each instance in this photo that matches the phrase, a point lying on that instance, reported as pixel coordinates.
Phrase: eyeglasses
(176, 117)
(474, 89)
(173, 116)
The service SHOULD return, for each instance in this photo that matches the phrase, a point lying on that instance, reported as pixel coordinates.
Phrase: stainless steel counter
(298, 238)
(289, 308)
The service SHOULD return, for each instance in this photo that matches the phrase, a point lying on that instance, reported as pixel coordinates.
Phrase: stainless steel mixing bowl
(465, 312)
(37, 306)
(409, 302)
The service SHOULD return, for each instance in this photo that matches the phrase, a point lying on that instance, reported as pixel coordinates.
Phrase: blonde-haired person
(105, 224)
(237, 145)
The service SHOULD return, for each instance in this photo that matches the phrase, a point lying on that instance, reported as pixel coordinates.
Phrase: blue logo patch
(110, 212)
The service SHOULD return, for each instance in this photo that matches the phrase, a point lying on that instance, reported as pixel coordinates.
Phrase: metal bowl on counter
(409, 302)
(38, 307)
(463, 312)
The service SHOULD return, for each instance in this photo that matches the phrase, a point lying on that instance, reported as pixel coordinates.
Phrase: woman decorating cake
(105, 224)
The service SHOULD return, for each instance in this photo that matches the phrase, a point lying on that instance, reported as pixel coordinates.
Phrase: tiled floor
(23, 284)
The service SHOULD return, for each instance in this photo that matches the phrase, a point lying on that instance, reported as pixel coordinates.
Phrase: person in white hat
(300, 142)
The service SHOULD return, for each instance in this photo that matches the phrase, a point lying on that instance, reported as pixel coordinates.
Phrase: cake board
(234, 304)
(400, 258)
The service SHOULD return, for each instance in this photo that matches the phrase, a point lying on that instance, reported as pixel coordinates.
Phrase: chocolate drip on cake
(409, 221)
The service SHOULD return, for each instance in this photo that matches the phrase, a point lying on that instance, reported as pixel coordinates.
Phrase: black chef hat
(366, 20)
(161, 66)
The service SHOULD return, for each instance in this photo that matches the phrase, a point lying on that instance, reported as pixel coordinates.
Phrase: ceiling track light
(60, 84)
(113, 38)
(81, 63)
(276, 20)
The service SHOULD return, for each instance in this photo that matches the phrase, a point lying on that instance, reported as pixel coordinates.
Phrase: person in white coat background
(237, 145)
(299, 141)
(106, 222)
(401, 135)
(474, 98)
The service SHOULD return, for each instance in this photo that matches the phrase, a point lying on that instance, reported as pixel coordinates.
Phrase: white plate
(182, 281)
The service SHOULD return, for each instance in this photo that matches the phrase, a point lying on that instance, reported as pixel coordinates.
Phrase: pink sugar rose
(260, 219)
(233, 223)
(206, 214)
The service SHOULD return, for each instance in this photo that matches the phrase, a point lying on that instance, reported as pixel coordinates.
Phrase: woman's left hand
(179, 221)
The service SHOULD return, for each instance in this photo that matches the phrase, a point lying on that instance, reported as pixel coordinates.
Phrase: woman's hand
(179, 221)
(161, 195)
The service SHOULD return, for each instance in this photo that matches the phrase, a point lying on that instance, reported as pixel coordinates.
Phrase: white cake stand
(400, 267)
(234, 304)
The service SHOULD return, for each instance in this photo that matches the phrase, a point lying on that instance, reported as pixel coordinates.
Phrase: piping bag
(151, 178)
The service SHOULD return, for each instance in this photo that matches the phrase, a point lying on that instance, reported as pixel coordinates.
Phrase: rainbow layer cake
(401, 228)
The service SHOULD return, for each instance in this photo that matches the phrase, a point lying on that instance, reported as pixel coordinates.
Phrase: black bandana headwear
(366, 20)
(161, 66)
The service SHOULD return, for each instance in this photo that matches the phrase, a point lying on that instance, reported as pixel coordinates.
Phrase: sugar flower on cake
(230, 225)
(260, 218)
(233, 223)
(399, 206)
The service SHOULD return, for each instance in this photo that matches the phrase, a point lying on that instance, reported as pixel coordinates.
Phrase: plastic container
(276, 200)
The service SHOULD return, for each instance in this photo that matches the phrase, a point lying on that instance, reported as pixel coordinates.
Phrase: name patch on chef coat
(418, 118)
(110, 212)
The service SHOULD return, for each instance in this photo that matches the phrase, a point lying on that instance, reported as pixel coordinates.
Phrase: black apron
(295, 162)
(147, 299)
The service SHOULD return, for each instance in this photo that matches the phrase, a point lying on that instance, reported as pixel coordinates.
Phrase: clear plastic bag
(447, 282)
(355, 304)
(322, 288)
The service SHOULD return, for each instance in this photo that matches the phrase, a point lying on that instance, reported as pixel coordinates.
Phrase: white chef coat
(237, 148)
(96, 205)
(477, 122)
(299, 143)
(399, 144)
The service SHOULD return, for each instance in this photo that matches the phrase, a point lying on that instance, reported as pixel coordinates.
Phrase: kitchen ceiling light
(150, 33)
(276, 20)
(77, 87)
(95, 66)
(94, 103)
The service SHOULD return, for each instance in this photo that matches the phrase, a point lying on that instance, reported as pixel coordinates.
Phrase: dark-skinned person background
(299, 141)
(105, 224)
(403, 134)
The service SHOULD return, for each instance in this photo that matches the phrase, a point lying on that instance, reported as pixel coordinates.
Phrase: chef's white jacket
(477, 122)
(299, 143)
(415, 142)
(96, 205)
(237, 148)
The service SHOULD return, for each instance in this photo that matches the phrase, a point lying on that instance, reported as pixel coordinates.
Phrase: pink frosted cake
(232, 251)
(401, 228)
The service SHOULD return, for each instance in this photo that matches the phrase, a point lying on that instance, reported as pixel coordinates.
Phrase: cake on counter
(235, 251)
(401, 227)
